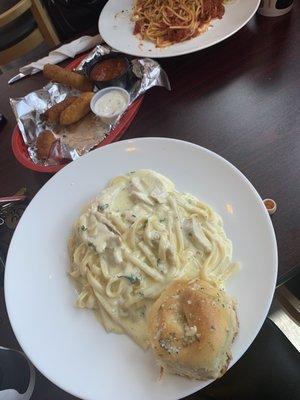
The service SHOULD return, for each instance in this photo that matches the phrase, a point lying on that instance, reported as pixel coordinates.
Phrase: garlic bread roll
(192, 326)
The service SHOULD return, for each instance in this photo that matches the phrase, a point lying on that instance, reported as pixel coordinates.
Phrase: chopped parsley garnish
(92, 246)
(159, 265)
(141, 312)
(102, 207)
(131, 278)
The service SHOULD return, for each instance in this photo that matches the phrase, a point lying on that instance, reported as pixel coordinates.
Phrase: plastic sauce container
(110, 103)
(109, 71)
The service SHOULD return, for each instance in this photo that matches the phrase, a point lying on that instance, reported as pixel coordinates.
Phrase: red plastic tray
(20, 149)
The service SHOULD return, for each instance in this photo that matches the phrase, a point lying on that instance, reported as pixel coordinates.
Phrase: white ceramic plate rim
(127, 43)
(9, 277)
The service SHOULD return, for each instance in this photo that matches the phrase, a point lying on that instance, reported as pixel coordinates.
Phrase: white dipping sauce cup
(111, 119)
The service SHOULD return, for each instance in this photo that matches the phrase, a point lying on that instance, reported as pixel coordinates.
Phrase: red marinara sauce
(108, 69)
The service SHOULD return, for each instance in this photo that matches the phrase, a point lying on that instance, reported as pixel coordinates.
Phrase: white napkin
(67, 50)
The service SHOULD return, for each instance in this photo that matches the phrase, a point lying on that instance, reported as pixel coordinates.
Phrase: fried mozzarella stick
(44, 143)
(77, 110)
(61, 75)
(52, 115)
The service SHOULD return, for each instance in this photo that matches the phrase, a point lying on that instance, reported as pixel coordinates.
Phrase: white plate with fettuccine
(156, 28)
(105, 237)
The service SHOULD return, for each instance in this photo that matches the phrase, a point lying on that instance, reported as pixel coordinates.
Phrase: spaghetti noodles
(166, 22)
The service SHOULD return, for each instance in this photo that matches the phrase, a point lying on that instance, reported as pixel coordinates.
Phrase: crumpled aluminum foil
(84, 135)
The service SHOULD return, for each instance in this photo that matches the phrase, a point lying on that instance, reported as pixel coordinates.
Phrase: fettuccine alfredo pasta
(134, 239)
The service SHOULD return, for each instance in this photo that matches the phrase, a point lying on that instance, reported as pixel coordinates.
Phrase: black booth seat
(17, 30)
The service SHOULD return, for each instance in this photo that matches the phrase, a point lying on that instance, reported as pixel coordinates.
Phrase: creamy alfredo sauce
(135, 238)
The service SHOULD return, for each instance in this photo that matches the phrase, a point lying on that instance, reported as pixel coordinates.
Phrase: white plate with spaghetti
(116, 26)
(69, 345)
